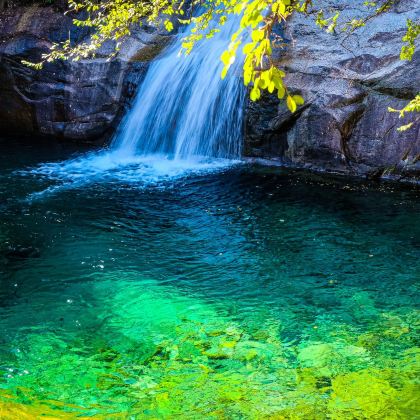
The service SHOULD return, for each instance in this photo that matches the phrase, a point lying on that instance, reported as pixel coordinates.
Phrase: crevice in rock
(346, 131)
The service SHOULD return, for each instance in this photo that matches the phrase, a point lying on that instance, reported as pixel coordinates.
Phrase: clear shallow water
(233, 292)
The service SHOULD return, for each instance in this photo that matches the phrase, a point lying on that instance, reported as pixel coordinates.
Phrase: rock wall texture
(348, 82)
(73, 100)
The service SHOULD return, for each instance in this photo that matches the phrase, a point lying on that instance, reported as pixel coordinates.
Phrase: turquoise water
(229, 292)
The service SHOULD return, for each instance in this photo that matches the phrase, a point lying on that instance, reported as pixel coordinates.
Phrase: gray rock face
(348, 82)
(73, 100)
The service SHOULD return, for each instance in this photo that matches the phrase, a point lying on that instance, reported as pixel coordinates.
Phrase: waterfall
(185, 120)
(183, 109)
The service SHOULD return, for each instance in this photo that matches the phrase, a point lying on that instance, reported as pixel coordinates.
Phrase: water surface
(215, 291)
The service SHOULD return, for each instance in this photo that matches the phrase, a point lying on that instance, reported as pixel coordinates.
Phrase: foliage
(411, 107)
(255, 37)
(413, 31)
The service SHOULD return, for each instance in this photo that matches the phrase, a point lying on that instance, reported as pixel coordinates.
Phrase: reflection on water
(238, 293)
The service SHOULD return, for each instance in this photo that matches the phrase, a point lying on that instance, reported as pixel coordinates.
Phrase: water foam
(112, 167)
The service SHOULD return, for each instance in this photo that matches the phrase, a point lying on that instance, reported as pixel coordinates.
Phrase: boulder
(82, 100)
(348, 82)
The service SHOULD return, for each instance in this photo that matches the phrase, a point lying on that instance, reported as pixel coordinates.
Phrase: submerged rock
(348, 82)
(22, 252)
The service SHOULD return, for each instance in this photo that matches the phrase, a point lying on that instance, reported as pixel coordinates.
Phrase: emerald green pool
(234, 293)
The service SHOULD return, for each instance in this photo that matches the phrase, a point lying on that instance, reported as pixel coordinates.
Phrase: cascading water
(184, 109)
(185, 119)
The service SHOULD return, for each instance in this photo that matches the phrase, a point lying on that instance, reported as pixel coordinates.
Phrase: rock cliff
(81, 100)
(348, 82)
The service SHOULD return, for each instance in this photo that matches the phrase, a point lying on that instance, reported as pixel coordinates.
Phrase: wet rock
(348, 82)
(217, 353)
(329, 358)
(80, 101)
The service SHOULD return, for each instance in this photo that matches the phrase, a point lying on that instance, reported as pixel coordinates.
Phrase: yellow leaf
(238, 8)
(280, 92)
(281, 8)
(298, 99)
(225, 57)
(224, 72)
(247, 77)
(255, 94)
(248, 47)
(262, 83)
(291, 104)
(278, 72)
(405, 127)
(257, 35)
(168, 25)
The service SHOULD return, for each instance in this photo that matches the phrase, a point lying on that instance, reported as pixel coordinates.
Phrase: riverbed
(226, 290)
